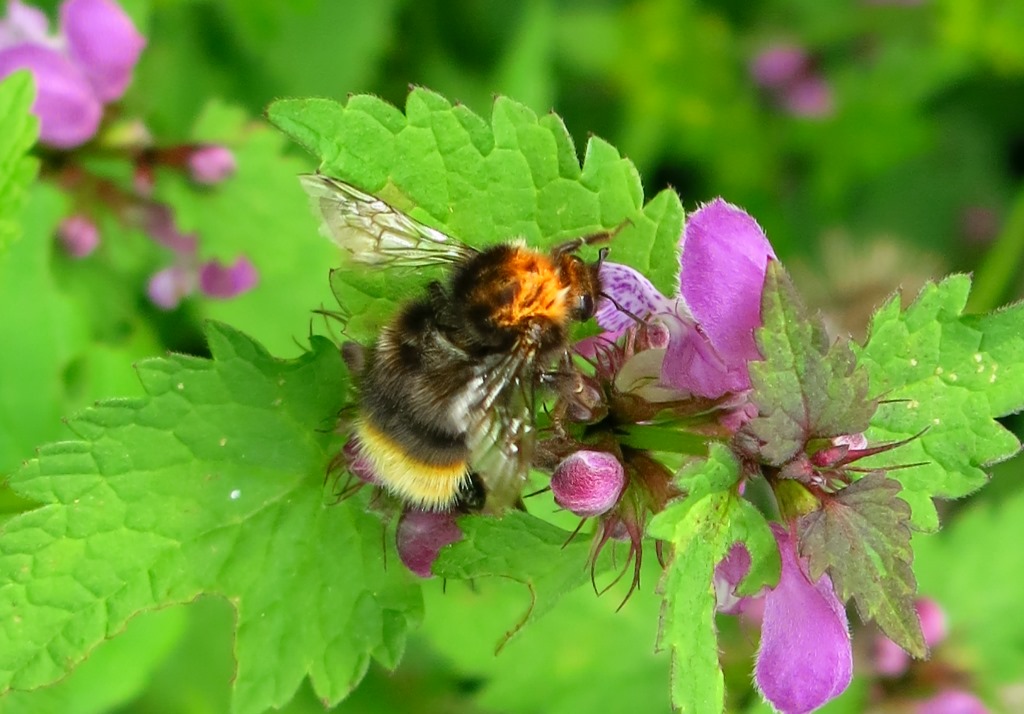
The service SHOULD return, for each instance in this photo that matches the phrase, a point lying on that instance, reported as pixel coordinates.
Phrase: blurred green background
(902, 161)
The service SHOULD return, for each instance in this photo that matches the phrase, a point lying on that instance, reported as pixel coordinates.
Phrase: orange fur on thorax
(541, 292)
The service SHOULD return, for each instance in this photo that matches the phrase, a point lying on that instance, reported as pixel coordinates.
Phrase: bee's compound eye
(586, 306)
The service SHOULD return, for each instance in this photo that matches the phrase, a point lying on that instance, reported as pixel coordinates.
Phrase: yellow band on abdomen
(428, 486)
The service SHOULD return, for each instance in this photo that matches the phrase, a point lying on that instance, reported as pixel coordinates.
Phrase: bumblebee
(447, 392)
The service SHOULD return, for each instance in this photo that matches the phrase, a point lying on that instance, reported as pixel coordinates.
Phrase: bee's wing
(501, 435)
(373, 232)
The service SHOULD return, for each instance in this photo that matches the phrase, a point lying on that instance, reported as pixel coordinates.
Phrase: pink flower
(890, 659)
(211, 164)
(103, 41)
(787, 73)
(69, 113)
(711, 321)
(219, 281)
(168, 287)
(805, 658)
(88, 64)
(588, 483)
(421, 536)
(778, 65)
(952, 701)
(809, 97)
(79, 235)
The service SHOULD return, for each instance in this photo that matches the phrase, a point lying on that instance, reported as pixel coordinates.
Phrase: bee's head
(583, 282)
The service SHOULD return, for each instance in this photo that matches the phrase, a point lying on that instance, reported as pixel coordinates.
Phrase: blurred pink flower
(103, 41)
(779, 64)
(211, 164)
(787, 72)
(88, 64)
(168, 287)
(809, 96)
(220, 281)
(952, 701)
(69, 113)
(79, 235)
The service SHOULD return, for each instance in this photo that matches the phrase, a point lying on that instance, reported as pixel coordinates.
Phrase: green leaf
(482, 182)
(584, 656)
(804, 387)
(950, 376)
(524, 548)
(18, 130)
(210, 484)
(701, 528)
(113, 675)
(861, 536)
(43, 324)
(972, 569)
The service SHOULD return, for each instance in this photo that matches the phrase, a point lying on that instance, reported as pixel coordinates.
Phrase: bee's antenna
(600, 237)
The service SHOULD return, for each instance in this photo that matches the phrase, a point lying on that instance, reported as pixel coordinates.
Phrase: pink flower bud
(421, 536)
(216, 280)
(103, 41)
(211, 164)
(79, 235)
(588, 483)
(69, 113)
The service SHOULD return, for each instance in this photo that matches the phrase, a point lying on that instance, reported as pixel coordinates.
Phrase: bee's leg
(354, 355)
(472, 495)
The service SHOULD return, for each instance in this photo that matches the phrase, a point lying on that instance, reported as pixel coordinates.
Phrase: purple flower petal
(805, 658)
(69, 113)
(725, 255)
(952, 701)
(634, 293)
(420, 537)
(211, 164)
(169, 286)
(778, 65)
(25, 23)
(79, 235)
(103, 40)
(588, 483)
(216, 280)
(692, 364)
